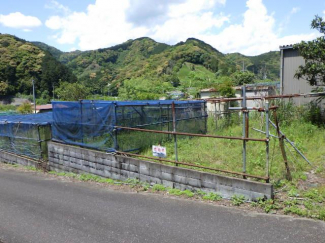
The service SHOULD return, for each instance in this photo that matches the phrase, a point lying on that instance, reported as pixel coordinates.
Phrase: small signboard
(159, 151)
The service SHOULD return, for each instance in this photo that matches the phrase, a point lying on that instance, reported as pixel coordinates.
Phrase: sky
(250, 27)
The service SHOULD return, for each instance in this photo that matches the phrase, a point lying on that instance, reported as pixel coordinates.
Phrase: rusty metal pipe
(198, 166)
(192, 134)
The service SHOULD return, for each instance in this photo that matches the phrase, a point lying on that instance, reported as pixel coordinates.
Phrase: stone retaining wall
(11, 158)
(80, 160)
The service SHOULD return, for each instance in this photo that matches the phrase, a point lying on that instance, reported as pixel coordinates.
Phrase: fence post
(267, 132)
(244, 105)
(281, 143)
(174, 130)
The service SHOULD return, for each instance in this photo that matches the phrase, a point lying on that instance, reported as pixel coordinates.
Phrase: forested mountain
(264, 66)
(136, 69)
(22, 61)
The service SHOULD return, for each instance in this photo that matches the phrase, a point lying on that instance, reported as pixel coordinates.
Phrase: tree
(314, 54)
(25, 108)
(240, 78)
(71, 91)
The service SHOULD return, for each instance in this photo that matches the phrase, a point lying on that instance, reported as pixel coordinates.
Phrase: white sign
(159, 151)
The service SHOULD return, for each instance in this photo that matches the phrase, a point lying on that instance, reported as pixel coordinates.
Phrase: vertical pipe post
(205, 118)
(174, 130)
(115, 132)
(267, 132)
(34, 96)
(244, 106)
(281, 143)
(81, 124)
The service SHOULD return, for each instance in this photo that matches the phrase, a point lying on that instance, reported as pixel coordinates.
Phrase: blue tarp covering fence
(92, 123)
(26, 134)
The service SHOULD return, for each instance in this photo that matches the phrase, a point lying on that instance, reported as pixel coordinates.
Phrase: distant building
(258, 89)
(43, 108)
(290, 62)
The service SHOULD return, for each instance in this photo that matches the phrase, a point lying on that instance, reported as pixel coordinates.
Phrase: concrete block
(115, 170)
(194, 182)
(134, 162)
(193, 174)
(100, 167)
(107, 162)
(168, 183)
(115, 176)
(107, 174)
(92, 170)
(72, 154)
(180, 172)
(225, 191)
(133, 168)
(134, 175)
(107, 168)
(167, 169)
(100, 173)
(125, 173)
(144, 168)
(85, 169)
(155, 170)
(99, 160)
(180, 179)
(167, 176)
(85, 163)
(180, 186)
(115, 164)
(125, 166)
(144, 178)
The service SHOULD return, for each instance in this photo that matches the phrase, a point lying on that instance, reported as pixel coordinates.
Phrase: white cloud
(19, 21)
(57, 7)
(106, 23)
(255, 35)
(102, 25)
(295, 10)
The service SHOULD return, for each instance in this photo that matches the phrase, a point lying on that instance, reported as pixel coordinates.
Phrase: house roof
(286, 47)
(208, 90)
(44, 107)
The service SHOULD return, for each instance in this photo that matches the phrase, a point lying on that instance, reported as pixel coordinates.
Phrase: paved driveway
(36, 208)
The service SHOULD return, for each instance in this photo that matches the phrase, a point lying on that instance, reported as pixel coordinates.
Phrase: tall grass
(227, 154)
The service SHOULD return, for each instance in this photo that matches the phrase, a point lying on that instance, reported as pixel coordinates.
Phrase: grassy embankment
(304, 195)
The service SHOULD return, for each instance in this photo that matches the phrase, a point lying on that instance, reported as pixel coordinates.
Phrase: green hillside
(264, 66)
(154, 68)
(136, 69)
(22, 61)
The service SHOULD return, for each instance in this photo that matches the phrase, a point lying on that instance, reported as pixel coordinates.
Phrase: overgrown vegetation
(21, 61)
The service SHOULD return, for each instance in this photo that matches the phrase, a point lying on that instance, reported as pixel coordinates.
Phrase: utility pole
(53, 90)
(34, 96)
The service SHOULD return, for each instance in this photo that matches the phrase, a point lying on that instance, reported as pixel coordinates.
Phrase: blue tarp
(92, 123)
(35, 119)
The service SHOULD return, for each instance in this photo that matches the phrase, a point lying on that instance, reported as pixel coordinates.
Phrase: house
(43, 108)
(258, 89)
(290, 62)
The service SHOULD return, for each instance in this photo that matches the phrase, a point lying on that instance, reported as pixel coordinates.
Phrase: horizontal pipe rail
(266, 97)
(197, 166)
(192, 134)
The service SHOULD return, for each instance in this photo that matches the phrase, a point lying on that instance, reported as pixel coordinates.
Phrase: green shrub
(158, 187)
(237, 200)
(212, 197)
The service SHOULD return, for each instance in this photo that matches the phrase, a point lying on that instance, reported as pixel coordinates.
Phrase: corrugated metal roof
(286, 47)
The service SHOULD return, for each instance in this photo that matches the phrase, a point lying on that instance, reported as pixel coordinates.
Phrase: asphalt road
(36, 208)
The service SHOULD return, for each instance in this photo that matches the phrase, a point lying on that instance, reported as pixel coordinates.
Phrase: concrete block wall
(12, 158)
(80, 160)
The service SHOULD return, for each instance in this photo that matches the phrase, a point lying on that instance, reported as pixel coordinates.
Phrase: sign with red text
(159, 151)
